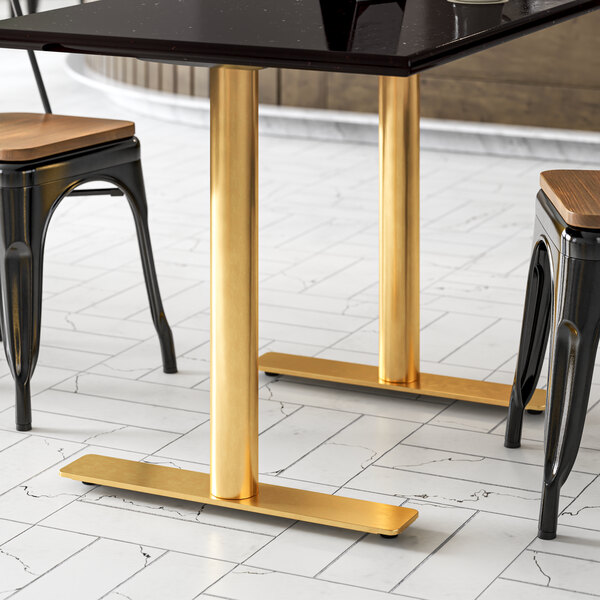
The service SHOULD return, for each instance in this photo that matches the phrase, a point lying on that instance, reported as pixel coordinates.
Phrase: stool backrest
(16, 8)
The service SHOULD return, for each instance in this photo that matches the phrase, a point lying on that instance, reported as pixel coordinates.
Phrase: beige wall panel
(183, 77)
(153, 75)
(303, 88)
(353, 92)
(167, 79)
(567, 54)
(268, 86)
(200, 81)
(517, 104)
(141, 73)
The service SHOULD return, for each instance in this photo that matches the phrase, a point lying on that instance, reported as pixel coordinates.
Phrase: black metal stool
(565, 266)
(43, 158)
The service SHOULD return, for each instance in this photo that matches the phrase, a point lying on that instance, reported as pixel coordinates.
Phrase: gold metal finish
(398, 273)
(233, 479)
(484, 392)
(336, 511)
(399, 229)
(234, 282)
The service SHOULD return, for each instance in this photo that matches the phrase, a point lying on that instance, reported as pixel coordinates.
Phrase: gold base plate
(456, 388)
(274, 500)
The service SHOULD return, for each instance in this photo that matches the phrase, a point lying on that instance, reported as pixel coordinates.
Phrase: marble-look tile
(172, 575)
(584, 511)
(85, 341)
(28, 556)
(347, 453)
(571, 541)
(468, 415)
(159, 531)
(252, 583)
(561, 572)
(195, 445)
(31, 456)
(99, 567)
(43, 494)
(477, 468)
(452, 492)
(352, 400)
(304, 549)
(10, 529)
(101, 433)
(451, 331)
(503, 588)
(466, 565)
(492, 446)
(492, 348)
(74, 321)
(120, 412)
(385, 562)
(142, 392)
(76, 360)
(295, 436)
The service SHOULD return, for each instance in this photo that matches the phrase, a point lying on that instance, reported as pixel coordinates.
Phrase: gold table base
(455, 388)
(274, 500)
(233, 480)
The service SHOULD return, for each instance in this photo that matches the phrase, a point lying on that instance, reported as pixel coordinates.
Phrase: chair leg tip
(509, 444)
(170, 369)
(546, 535)
(23, 426)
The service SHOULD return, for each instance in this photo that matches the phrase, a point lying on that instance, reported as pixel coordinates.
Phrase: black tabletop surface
(387, 37)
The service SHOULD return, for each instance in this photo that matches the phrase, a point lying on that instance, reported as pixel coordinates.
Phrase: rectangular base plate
(442, 386)
(274, 500)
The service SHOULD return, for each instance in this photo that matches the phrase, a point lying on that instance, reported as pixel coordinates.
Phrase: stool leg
(131, 178)
(21, 288)
(534, 339)
(575, 342)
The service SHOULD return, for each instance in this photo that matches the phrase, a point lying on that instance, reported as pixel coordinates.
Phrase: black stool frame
(563, 290)
(29, 194)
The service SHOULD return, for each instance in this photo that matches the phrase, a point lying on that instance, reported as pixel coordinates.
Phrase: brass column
(234, 282)
(233, 480)
(399, 229)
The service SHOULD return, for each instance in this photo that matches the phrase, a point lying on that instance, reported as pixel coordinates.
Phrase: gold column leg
(233, 480)
(398, 368)
(234, 282)
(399, 229)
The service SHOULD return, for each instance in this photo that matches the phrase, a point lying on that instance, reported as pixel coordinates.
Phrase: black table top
(385, 37)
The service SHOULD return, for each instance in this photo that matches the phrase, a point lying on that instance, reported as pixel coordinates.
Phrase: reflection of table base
(455, 388)
(273, 500)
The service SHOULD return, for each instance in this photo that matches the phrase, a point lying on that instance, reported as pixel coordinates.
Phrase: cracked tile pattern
(99, 388)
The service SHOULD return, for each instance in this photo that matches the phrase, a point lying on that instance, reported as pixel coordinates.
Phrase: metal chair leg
(534, 340)
(21, 285)
(131, 178)
(575, 342)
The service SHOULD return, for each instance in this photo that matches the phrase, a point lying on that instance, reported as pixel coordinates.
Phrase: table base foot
(455, 388)
(273, 500)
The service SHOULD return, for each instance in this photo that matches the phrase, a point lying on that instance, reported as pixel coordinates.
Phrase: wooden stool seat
(575, 195)
(31, 136)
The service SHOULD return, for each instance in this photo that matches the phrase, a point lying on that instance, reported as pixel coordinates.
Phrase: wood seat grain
(575, 195)
(31, 136)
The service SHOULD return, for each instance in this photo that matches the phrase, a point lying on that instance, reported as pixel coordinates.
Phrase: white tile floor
(99, 388)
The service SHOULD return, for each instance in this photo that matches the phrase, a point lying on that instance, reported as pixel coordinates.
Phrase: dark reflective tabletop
(393, 37)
